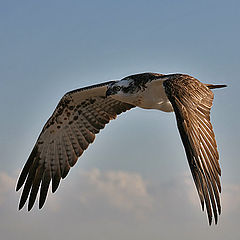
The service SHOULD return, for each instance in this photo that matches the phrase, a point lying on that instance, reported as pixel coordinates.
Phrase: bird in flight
(83, 112)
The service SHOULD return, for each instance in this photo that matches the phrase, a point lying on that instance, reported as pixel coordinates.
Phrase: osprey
(82, 113)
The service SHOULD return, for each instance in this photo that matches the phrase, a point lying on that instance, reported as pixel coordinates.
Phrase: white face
(122, 90)
(122, 87)
(124, 83)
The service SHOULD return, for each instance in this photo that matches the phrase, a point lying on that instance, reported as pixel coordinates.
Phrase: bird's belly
(162, 104)
(154, 97)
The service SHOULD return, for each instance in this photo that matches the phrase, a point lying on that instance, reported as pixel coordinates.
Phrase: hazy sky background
(134, 181)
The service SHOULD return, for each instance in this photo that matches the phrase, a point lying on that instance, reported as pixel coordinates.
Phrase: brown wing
(192, 102)
(79, 115)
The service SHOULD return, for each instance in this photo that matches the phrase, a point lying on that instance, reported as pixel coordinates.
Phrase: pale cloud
(122, 189)
(7, 184)
(231, 198)
(90, 202)
(125, 191)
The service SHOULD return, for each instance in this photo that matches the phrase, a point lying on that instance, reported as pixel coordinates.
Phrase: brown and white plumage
(81, 114)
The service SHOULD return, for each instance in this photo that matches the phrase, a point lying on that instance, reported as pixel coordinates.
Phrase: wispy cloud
(126, 191)
(95, 199)
(7, 184)
(121, 190)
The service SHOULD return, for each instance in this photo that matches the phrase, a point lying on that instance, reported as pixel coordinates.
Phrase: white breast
(154, 97)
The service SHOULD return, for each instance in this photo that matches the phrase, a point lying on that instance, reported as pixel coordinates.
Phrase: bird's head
(131, 85)
(130, 88)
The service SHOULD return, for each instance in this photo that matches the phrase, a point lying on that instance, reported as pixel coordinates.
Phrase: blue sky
(50, 47)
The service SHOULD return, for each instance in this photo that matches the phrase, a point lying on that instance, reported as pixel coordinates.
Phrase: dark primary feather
(80, 115)
(192, 101)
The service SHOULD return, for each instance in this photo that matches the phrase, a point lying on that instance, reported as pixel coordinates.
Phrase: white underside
(152, 97)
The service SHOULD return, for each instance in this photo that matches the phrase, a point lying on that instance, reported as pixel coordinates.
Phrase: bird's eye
(117, 88)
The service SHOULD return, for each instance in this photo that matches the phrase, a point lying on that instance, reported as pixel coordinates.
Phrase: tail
(211, 86)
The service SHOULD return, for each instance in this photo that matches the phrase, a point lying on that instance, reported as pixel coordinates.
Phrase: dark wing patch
(192, 102)
(79, 115)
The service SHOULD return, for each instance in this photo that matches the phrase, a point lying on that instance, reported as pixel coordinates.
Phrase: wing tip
(18, 186)
(41, 204)
(30, 206)
(21, 204)
(55, 185)
(210, 220)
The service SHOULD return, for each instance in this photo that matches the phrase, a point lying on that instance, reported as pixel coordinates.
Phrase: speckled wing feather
(192, 101)
(79, 115)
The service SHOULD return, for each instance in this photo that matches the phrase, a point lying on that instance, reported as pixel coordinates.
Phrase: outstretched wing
(79, 115)
(192, 101)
